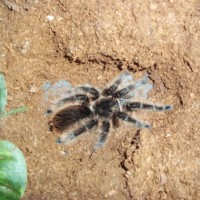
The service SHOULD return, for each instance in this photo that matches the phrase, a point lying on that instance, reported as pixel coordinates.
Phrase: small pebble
(99, 77)
(50, 17)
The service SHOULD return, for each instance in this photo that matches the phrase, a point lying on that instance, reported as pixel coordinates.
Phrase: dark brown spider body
(111, 105)
(69, 116)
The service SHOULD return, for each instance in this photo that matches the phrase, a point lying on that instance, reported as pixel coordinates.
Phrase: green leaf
(13, 172)
(3, 93)
(13, 111)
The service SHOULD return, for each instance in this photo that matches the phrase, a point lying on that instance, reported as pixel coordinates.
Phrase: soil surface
(92, 42)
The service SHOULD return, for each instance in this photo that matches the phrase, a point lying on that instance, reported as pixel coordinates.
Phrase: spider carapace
(94, 108)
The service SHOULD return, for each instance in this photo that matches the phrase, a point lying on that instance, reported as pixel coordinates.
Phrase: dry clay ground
(92, 42)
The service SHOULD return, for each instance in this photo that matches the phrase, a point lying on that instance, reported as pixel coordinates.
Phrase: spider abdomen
(69, 116)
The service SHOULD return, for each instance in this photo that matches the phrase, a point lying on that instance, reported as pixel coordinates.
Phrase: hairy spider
(93, 108)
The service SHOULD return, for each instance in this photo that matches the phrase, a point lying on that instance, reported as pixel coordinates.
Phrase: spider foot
(98, 145)
(140, 124)
(65, 139)
(167, 107)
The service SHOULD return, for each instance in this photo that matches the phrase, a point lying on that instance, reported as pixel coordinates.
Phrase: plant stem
(14, 111)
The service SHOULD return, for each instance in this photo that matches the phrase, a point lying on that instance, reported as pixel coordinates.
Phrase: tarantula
(94, 107)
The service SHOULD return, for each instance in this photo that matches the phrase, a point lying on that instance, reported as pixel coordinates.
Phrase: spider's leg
(103, 135)
(64, 138)
(91, 90)
(139, 124)
(124, 77)
(123, 92)
(111, 90)
(78, 97)
(131, 106)
(139, 88)
(130, 90)
(115, 121)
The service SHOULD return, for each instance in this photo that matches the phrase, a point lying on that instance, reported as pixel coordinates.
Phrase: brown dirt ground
(92, 42)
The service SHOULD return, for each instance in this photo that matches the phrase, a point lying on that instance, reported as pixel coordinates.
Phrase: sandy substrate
(93, 42)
